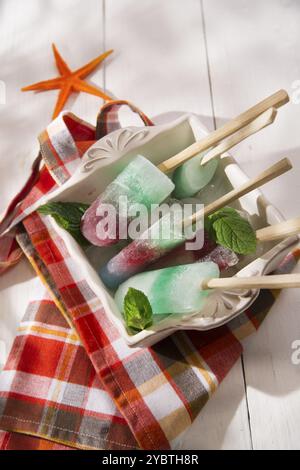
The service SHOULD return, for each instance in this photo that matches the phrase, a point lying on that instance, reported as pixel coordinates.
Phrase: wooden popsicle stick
(283, 229)
(264, 120)
(267, 175)
(277, 281)
(276, 100)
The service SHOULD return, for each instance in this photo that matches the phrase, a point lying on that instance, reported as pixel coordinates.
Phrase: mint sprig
(228, 228)
(138, 313)
(68, 215)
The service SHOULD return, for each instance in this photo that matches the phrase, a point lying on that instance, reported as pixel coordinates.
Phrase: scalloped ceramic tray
(100, 165)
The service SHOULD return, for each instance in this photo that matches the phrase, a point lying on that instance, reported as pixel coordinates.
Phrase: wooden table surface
(211, 57)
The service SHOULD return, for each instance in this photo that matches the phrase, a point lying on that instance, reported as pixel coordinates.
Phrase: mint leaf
(231, 230)
(137, 310)
(68, 216)
(209, 220)
(224, 212)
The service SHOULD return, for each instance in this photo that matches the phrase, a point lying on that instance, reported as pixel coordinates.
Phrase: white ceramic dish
(105, 159)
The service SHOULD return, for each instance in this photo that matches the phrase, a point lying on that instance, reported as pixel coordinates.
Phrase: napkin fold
(70, 380)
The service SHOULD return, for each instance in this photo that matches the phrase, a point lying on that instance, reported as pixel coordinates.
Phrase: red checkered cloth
(50, 389)
(70, 377)
(17, 441)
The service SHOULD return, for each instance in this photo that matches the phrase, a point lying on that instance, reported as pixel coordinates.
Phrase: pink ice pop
(140, 182)
(142, 252)
(210, 251)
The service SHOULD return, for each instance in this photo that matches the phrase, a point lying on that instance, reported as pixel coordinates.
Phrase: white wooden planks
(253, 50)
(160, 61)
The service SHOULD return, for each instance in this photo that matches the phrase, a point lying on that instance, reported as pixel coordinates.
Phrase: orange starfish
(69, 81)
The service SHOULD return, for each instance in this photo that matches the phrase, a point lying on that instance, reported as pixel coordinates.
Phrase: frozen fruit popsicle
(222, 256)
(172, 290)
(191, 177)
(146, 249)
(142, 183)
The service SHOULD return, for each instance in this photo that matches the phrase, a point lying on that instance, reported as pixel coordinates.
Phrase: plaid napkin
(49, 387)
(70, 379)
(17, 441)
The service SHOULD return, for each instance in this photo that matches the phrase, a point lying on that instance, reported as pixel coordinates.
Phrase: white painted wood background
(212, 57)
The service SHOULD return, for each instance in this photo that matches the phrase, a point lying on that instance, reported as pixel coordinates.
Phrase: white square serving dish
(99, 166)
